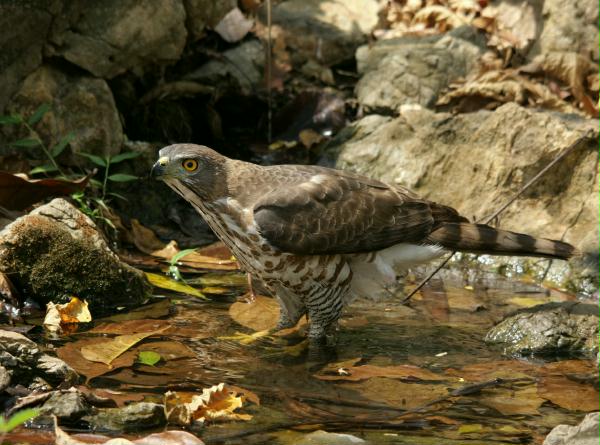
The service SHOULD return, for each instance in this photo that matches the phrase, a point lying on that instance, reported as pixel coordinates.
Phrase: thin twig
(269, 75)
(487, 220)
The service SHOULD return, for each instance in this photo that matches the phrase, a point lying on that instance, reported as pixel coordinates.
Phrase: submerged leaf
(260, 314)
(364, 372)
(149, 358)
(108, 350)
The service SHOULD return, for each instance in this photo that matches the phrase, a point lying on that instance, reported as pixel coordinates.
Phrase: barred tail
(479, 238)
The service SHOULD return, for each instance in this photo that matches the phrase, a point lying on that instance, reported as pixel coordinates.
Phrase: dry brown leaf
(144, 238)
(132, 327)
(570, 68)
(364, 372)
(216, 403)
(59, 317)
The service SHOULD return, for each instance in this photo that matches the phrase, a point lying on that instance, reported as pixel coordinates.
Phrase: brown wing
(330, 212)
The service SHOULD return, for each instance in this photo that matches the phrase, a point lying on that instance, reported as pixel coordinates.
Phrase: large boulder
(328, 31)
(22, 50)
(56, 252)
(574, 28)
(586, 433)
(552, 328)
(110, 37)
(475, 162)
(414, 70)
(83, 105)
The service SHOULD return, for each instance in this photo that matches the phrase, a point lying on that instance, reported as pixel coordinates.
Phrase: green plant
(173, 269)
(17, 419)
(34, 140)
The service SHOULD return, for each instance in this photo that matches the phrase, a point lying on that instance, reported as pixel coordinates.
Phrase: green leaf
(62, 144)
(95, 183)
(149, 358)
(12, 119)
(124, 156)
(116, 195)
(95, 159)
(46, 168)
(166, 283)
(122, 177)
(18, 418)
(26, 143)
(38, 114)
(180, 255)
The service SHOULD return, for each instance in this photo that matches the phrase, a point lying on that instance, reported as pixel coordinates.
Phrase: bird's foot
(294, 350)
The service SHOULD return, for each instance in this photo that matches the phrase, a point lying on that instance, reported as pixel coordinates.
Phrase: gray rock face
(83, 105)
(586, 433)
(129, 418)
(23, 361)
(475, 162)
(56, 252)
(110, 37)
(414, 70)
(549, 328)
(569, 29)
(242, 65)
(328, 31)
(22, 51)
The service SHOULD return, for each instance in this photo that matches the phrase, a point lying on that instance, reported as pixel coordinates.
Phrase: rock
(69, 405)
(56, 252)
(4, 378)
(568, 29)
(567, 327)
(202, 14)
(321, 437)
(411, 70)
(476, 161)
(83, 105)
(22, 50)
(328, 31)
(586, 433)
(111, 37)
(24, 361)
(242, 65)
(130, 418)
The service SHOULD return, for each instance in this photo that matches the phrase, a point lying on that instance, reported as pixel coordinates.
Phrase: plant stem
(105, 182)
(44, 148)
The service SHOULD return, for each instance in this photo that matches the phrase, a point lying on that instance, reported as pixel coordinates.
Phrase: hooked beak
(158, 169)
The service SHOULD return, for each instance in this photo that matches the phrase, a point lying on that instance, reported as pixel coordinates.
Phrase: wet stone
(129, 418)
(321, 437)
(68, 406)
(568, 327)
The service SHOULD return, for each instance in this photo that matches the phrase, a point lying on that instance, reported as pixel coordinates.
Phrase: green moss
(48, 264)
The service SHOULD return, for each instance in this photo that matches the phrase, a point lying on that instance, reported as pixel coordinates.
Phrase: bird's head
(195, 167)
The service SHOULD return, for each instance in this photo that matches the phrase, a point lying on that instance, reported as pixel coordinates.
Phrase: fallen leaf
(398, 394)
(154, 310)
(216, 403)
(512, 401)
(480, 372)
(260, 314)
(569, 394)
(149, 358)
(108, 350)
(60, 316)
(132, 327)
(166, 283)
(18, 193)
(364, 372)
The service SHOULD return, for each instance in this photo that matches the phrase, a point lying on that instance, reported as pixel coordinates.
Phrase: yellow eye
(190, 164)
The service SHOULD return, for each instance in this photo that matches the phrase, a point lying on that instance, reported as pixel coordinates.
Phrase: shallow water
(441, 331)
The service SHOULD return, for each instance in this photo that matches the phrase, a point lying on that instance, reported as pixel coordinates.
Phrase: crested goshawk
(318, 237)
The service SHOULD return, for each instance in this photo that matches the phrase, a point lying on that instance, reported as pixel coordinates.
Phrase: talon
(247, 339)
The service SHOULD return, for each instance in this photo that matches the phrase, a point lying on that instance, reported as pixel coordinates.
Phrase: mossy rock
(52, 258)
